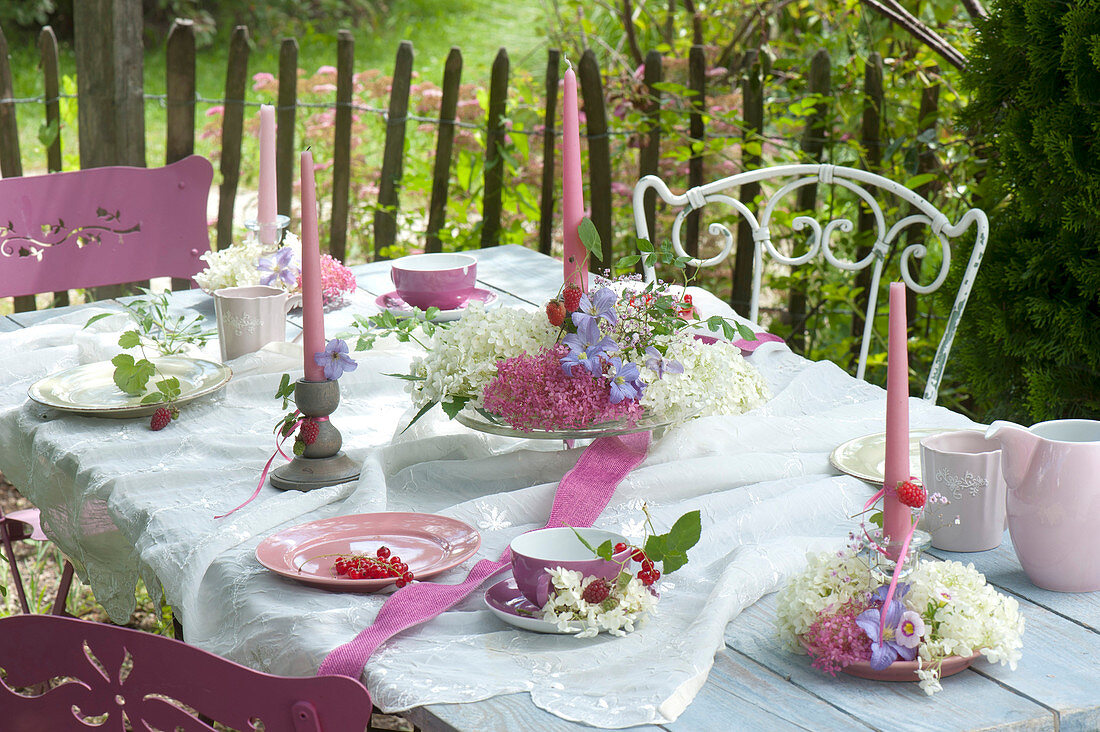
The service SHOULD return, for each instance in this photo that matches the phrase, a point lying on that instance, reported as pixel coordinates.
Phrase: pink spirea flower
(530, 391)
(336, 279)
(835, 641)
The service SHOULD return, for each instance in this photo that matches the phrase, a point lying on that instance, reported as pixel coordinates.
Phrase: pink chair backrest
(163, 674)
(103, 226)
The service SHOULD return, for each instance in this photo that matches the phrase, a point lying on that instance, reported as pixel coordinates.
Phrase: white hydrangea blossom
(624, 609)
(462, 359)
(236, 265)
(968, 615)
(716, 380)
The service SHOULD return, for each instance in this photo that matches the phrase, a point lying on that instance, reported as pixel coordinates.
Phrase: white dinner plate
(90, 389)
(865, 457)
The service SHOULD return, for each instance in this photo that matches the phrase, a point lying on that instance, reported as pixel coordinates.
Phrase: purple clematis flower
(625, 381)
(656, 362)
(886, 647)
(282, 266)
(335, 359)
(586, 346)
(597, 305)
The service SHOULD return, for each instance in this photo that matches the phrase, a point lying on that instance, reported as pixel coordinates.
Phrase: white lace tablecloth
(123, 501)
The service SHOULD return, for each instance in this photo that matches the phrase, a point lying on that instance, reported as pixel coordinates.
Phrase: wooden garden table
(757, 685)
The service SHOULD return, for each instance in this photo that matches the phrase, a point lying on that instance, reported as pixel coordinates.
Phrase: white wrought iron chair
(793, 177)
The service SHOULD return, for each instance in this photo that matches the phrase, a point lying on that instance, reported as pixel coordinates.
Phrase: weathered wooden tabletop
(755, 683)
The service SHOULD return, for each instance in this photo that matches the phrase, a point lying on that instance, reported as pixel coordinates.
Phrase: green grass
(477, 27)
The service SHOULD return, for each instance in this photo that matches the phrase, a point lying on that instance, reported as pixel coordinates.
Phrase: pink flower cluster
(835, 641)
(532, 392)
(336, 279)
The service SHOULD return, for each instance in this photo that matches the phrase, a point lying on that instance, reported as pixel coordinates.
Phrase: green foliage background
(1029, 346)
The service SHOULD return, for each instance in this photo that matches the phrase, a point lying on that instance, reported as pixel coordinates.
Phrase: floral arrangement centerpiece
(611, 355)
(845, 613)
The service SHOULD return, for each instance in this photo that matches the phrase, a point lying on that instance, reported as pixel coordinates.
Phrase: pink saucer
(392, 301)
(428, 543)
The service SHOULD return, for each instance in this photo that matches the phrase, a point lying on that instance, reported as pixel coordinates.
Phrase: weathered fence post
(236, 76)
(47, 53)
(549, 140)
(11, 164)
(697, 85)
(493, 189)
(813, 145)
(341, 148)
(599, 155)
(649, 142)
(871, 140)
(109, 76)
(180, 90)
(444, 148)
(385, 217)
(286, 159)
(752, 96)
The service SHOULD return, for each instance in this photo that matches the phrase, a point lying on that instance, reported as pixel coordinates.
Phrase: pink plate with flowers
(427, 543)
(907, 670)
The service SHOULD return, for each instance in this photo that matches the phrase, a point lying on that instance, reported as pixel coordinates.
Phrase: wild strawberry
(572, 297)
(162, 417)
(555, 313)
(308, 432)
(912, 493)
(596, 592)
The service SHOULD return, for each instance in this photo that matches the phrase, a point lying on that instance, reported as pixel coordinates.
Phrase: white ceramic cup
(964, 467)
(251, 317)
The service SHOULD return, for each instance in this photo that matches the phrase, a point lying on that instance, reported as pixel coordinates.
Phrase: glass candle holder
(281, 224)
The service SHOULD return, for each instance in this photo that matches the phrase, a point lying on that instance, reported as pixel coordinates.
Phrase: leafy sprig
(367, 330)
(670, 548)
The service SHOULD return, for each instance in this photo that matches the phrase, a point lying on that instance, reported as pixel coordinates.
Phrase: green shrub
(1030, 342)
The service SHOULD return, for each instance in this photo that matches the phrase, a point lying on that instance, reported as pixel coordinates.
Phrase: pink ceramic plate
(907, 670)
(429, 544)
(392, 301)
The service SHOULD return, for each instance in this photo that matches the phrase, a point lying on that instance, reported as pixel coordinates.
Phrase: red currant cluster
(648, 574)
(383, 566)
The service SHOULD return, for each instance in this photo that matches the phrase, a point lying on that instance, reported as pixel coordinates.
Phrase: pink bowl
(537, 551)
(907, 670)
(443, 281)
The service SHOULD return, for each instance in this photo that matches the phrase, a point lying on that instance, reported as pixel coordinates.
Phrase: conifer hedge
(1029, 344)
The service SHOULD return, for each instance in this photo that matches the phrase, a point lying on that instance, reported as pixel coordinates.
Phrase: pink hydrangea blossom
(558, 401)
(835, 641)
(336, 279)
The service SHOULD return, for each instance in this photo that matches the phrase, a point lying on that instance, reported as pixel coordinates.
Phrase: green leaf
(590, 238)
(655, 548)
(153, 398)
(673, 561)
(685, 533)
(170, 388)
(605, 550)
(584, 541)
(628, 261)
(919, 180)
(423, 410)
(407, 377)
(456, 405)
(746, 332)
(644, 245)
(94, 318)
(129, 339)
(876, 519)
(131, 376)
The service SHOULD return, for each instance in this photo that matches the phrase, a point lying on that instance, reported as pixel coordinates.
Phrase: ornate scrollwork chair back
(868, 189)
(103, 226)
(79, 675)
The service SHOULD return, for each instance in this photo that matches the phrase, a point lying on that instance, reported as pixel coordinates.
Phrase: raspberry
(572, 297)
(162, 417)
(308, 432)
(596, 592)
(555, 313)
(912, 493)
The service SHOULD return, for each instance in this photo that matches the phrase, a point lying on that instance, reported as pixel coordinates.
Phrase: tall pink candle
(313, 314)
(897, 518)
(266, 216)
(576, 256)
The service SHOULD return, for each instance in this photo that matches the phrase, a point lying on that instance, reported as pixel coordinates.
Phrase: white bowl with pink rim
(437, 280)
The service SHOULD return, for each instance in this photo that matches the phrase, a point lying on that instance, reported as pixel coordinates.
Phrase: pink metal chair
(103, 226)
(23, 525)
(105, 676)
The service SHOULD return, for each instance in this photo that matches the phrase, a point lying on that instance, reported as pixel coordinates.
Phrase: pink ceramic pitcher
(1053, 474)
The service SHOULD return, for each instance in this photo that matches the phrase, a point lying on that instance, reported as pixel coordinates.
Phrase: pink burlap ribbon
(582, 495)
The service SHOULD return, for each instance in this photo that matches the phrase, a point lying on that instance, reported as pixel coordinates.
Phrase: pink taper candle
(313, 314)
(576, 256)
(897, 518)
(266, 216)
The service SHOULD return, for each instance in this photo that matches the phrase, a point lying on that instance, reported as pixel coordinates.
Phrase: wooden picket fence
(181, 111)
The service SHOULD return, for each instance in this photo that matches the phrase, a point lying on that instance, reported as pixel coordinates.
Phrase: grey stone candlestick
(323, 463)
